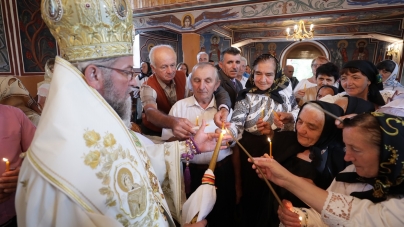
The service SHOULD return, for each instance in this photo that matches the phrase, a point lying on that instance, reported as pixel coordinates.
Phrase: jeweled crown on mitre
(90, 29)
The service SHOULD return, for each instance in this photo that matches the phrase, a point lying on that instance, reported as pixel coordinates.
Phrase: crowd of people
(332, 144)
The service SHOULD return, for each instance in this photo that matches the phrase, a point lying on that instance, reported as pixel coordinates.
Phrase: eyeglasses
(129, 74)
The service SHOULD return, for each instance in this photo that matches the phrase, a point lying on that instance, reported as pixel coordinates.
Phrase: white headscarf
(391, 82)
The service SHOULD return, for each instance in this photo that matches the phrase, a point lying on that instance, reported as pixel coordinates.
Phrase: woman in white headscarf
(388, 69)
(13, 93)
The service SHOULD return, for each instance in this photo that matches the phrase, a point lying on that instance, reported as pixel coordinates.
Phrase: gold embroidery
(24, 183)
(91, 138)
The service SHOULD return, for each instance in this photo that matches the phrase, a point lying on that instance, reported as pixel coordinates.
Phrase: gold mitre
(90, 29)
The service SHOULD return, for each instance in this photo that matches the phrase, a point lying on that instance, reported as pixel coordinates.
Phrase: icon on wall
(188, 21)
(272, 49)
(214, 53)
(259, 49)
(342, 45)
(361, 52)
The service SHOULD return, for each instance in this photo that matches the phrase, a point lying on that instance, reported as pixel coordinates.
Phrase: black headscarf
(390, 178)
(280, 82)
(327, 154)
(329, 134)
(368, 69)
(358, 105)
(149, 71)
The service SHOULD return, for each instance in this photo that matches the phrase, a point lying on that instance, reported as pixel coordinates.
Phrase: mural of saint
(187, 21)
(342, 45)
(259, 48)
(272, 49)
(336, 58)
(214, 53)
(361, 52)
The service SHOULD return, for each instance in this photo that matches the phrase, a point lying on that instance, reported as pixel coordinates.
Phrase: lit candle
(288, 30)
(7, 164)
(295, 27)
(270, 147)
(262, 114)
(197, 120)
(311, 27)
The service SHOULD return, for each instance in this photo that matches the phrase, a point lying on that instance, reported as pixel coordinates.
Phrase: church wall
(340, 51)
(147, 40)
(25, 42)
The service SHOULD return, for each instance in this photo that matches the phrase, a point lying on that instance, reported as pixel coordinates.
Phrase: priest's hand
(207, 141)
(286, 216)
(8, 183)
(182, 128)
(201, 223)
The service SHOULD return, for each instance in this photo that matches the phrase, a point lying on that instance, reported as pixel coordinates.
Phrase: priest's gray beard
(122, 107)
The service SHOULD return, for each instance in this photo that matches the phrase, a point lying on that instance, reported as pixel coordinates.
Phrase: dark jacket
(228, 85)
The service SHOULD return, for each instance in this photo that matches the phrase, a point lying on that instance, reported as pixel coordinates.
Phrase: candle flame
(5, 160)
(269, 140)
(223, 131)
(300, 218)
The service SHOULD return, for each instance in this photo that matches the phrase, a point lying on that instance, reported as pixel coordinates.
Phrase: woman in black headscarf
(368, 193)
(360, 78)
(314, 151)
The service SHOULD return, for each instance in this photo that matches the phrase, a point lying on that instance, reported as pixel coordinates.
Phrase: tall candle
(262, 114)
(213, 161)
(197, 121)
(270, 147)
(7, 164)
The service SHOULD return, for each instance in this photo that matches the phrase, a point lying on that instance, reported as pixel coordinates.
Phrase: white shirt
(341, 209)
(301, 85)
(189, 108)
(243, 81)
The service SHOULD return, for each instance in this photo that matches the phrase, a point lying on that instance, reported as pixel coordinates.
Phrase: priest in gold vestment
(84, 167)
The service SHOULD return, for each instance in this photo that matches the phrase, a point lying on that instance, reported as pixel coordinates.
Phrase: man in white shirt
(202, 106)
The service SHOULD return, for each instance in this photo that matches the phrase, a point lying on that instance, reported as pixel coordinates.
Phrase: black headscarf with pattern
(280, 82)
(389, 180)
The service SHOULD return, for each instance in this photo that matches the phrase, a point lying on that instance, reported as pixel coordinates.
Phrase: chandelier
(300, 33)
(392, 50)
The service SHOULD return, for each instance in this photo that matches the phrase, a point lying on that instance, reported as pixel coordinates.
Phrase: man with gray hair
(200, 57)
(288, 70)
(240, 74)
(164, 88)
(202, 106)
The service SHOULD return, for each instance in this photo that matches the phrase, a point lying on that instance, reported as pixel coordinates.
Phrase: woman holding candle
(16, 134)
(271, 91)
(368, 193)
